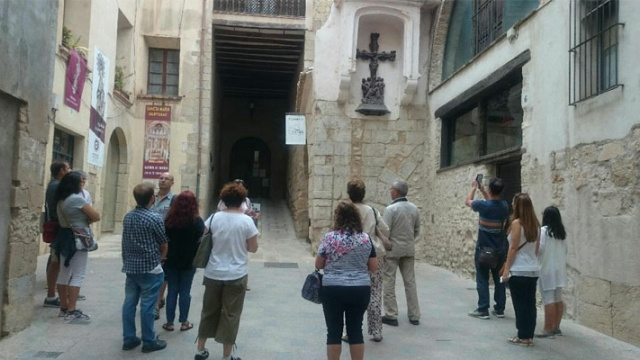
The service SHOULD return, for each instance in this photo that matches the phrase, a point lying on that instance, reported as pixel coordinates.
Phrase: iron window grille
(487, 20)
(593, 60)
(164, 72)
(292, 8)
(63, 145)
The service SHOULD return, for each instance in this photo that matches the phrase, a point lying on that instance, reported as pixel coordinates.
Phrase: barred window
(63, 144)
(487, 22)
(593, 64)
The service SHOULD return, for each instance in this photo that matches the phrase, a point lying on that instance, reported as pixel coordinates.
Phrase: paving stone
(277, 324)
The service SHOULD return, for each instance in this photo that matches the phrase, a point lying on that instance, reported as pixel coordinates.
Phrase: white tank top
(526, 262)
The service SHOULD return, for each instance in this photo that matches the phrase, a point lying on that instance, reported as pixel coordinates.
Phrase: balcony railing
(290, 8)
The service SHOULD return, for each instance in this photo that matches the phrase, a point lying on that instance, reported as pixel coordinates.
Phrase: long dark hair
(347, 218)
(183, 212)
(552, 219)
(70, 184)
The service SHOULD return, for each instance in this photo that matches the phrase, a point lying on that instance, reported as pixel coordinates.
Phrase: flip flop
(186, 326)
(168, 327)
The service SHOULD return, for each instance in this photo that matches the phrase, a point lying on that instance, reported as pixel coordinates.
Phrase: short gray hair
(401, 186)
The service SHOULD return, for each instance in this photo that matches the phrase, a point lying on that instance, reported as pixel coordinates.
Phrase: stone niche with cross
(373, 48)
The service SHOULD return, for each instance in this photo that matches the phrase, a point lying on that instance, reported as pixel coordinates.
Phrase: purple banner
(74, 80)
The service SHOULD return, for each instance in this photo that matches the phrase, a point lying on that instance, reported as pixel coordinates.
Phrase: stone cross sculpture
(373, 86)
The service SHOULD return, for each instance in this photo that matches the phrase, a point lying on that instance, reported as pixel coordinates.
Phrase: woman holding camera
(521, 269)
(347, 256)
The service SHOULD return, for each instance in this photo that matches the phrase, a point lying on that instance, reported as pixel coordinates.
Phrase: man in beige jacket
(403, 219)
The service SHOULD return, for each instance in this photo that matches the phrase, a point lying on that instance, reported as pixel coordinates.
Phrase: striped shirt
(347, 257)
(142, 234)
(494, 212)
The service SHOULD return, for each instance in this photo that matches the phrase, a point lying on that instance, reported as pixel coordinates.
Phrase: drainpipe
(203, 36)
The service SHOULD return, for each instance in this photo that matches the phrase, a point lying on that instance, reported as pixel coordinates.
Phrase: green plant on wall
(69, 43)
(119, 78)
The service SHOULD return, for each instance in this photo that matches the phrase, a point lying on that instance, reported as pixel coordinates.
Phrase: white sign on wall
(98, 114)
(296, 129)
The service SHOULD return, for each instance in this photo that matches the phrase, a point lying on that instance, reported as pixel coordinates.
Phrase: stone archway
(250, 160)
(115, 183)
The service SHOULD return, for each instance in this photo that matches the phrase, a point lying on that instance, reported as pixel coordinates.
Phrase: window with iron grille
(593, 61)
(164, 66)
(63, 146)
(487, 22)
(476, 24)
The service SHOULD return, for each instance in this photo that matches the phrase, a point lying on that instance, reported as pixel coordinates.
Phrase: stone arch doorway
(115, 183)
(251, 161)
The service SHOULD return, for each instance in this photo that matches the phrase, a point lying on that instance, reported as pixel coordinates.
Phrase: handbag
(488, 257)
(382, 232)
(50, 231)
(84, 238)
(201, 259)
(312, 287)
(82, 235)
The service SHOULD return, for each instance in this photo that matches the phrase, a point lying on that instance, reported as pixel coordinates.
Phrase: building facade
(541, 93)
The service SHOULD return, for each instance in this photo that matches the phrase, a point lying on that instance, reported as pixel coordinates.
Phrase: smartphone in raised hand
(479, 179)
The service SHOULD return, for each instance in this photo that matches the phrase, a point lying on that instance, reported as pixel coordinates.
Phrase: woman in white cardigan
(553, 273)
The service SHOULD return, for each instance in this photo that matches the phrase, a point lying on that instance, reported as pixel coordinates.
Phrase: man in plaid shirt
(144, 248)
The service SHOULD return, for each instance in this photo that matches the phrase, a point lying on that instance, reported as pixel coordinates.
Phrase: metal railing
(289, 8)
(487, 22)
(593, 61)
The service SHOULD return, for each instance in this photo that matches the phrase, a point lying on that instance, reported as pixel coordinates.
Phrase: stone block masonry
(374, 150)
(22, 249)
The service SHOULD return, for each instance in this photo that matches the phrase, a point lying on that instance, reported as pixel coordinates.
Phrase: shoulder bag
(201, 259)
(82, 235)
(312, 287)
(382, 233)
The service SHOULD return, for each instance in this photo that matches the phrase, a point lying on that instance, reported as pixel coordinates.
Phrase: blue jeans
(143, 288)
(482, 285)
(179, 283)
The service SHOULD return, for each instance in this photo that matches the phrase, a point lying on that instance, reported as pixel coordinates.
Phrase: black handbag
(312, 287)
(488, 257)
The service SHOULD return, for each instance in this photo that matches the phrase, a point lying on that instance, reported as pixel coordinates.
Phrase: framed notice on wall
(296, 129)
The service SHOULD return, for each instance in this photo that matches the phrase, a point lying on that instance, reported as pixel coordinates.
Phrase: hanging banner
(74, 80)
(296, 129)
(98, 117)
(156, 141)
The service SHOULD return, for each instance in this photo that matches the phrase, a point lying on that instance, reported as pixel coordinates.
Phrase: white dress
(553, 268)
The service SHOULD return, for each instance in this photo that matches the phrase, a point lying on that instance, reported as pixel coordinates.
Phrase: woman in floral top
(347, 255)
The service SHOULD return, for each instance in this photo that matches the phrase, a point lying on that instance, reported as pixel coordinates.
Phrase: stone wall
(376, 151)
(298, 189)
(26, 68)
(597, 188)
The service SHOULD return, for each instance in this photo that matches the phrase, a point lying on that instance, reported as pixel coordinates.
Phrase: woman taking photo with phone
(521, 269)
(553, 270)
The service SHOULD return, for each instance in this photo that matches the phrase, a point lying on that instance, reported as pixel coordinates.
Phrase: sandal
(522, 342)
(186, 326)
(168, 326)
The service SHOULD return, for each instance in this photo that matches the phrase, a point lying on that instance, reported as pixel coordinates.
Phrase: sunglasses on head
(238, 181)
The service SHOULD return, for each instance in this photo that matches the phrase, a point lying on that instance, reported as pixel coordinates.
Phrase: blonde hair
(524, 212)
